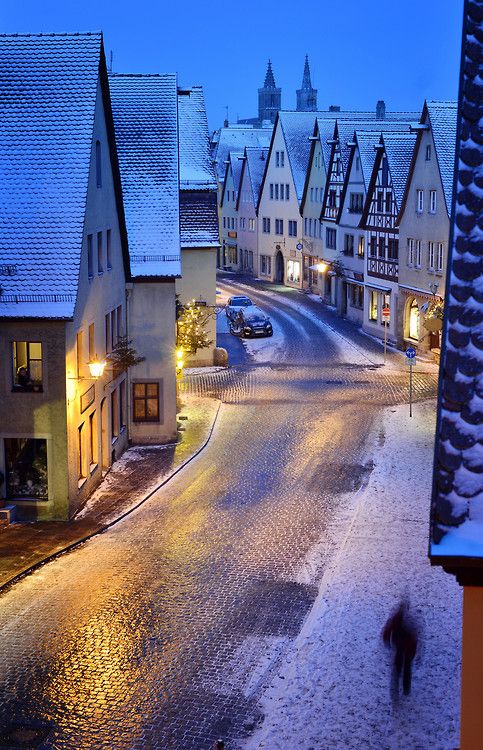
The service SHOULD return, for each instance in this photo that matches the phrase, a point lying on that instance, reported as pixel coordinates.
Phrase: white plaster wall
(198, 282)
(278, 209)
(247, 239)
(96, 297)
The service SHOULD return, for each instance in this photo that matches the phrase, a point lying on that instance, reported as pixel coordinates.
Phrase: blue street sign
(410, 352)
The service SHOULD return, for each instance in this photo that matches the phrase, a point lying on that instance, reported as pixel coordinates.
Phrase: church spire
(269, 78)
(306, 96)
(306, 82)
(269, 98)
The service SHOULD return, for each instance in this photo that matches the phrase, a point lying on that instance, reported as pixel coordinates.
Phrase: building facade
(232, 259)
(424, 230)
(253, 169)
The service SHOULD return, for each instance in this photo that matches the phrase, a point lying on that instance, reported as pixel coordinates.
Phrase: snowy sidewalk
(331, 691)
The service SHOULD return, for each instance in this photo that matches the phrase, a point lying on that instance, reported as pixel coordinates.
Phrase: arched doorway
(279, 268)
(413, 320)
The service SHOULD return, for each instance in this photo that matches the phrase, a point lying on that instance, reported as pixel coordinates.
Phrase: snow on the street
(332, 688)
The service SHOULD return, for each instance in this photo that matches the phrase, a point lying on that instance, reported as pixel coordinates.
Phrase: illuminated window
(146, 402)
(27, 366)
(373, 306)
(26, 468)
(414, 320)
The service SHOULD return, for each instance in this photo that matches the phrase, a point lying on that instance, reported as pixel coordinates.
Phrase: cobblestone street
(158, 633)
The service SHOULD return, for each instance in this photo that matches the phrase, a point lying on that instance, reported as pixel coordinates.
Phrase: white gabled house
(232, 259)
(379, 218)
(63, 270)
(279, 218)
(424, 221)
(254, 161)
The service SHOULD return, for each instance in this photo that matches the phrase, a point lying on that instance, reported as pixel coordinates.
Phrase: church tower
(269, 98)
(306, 96)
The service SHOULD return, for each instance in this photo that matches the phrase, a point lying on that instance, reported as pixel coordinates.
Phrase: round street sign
(410, 352)
(386, 313)
(299, 246)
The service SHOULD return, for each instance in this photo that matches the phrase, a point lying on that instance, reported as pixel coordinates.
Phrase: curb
(40, 563)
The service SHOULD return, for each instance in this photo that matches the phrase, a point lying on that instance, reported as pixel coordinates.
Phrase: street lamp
(322, 267)
(96, 367)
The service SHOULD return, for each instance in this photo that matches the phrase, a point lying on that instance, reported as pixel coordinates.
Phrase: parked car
(235, 304)
(251, 321)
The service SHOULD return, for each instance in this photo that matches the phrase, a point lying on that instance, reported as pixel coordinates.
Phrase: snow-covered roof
(346, 128)
(366, 141)
(457, 499)
(48, 86)
(256, 162)
(442, 116)
(236, 160)
(399, 149)
(146, 124)
(235, 139)
(196, 170)
(199, 218)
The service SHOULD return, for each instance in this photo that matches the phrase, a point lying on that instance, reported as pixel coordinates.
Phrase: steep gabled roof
(234, 164)
(442, 118)
(399, 149)
(146, 120)
(236, 139)
(297, 127)
(256, 163)
(48, 87)
(195, 164)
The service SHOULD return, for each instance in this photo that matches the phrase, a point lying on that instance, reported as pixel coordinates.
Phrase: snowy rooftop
(442, 116)
(195, 163)
(48, 87)
(235, 139)
(199, 218)
(236, 160)
(256, 160)
(457, 515)
(366, 142)
(298, 128)
(145, 119)
(399, 149)
(346, 128)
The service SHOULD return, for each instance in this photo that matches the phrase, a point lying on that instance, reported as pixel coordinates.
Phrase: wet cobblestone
(159, 633)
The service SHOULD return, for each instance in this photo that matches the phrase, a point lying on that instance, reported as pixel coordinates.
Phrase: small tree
(123, 356)
(192, 322)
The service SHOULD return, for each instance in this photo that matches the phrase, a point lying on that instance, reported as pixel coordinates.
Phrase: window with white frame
(373, 304)
(419, 201)
(287, 192)
(266, 225)
(282, 191)
(410, 251)
(271, 191)
(432, 201)
(277, 158)
(251, 225)
(349, 244)
(311, 194)
(282, 158)
(360, 246)
(431, 258)
(276, 191)
(265, 265)
(440, 256)
(292, 228)
(417, 253)
(330, 238)
(310, 227)
(306, 226)
(278, 226)
(316, 194)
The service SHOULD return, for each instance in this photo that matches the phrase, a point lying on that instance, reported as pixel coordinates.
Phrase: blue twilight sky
(402, 51)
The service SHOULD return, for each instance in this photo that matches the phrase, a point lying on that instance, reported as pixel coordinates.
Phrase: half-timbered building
(384, 196)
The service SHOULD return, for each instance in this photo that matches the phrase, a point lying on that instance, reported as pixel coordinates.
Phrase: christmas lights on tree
(192, 321)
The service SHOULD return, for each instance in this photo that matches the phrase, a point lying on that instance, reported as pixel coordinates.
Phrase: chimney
(381, 110)
(225, 123)
(334, 108)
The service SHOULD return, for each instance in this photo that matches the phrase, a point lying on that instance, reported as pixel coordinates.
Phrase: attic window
(98, 165)
(428, 153)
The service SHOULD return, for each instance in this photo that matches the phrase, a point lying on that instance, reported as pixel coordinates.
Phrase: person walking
(400, 633)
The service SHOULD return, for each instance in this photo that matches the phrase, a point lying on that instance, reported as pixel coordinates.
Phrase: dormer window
(98, 165)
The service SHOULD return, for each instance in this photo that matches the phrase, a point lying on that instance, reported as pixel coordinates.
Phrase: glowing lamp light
(322, 267)
(96, 367)
(179, 359)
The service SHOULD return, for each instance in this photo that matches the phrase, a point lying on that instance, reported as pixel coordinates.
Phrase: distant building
(269, 101)
(306, 96)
